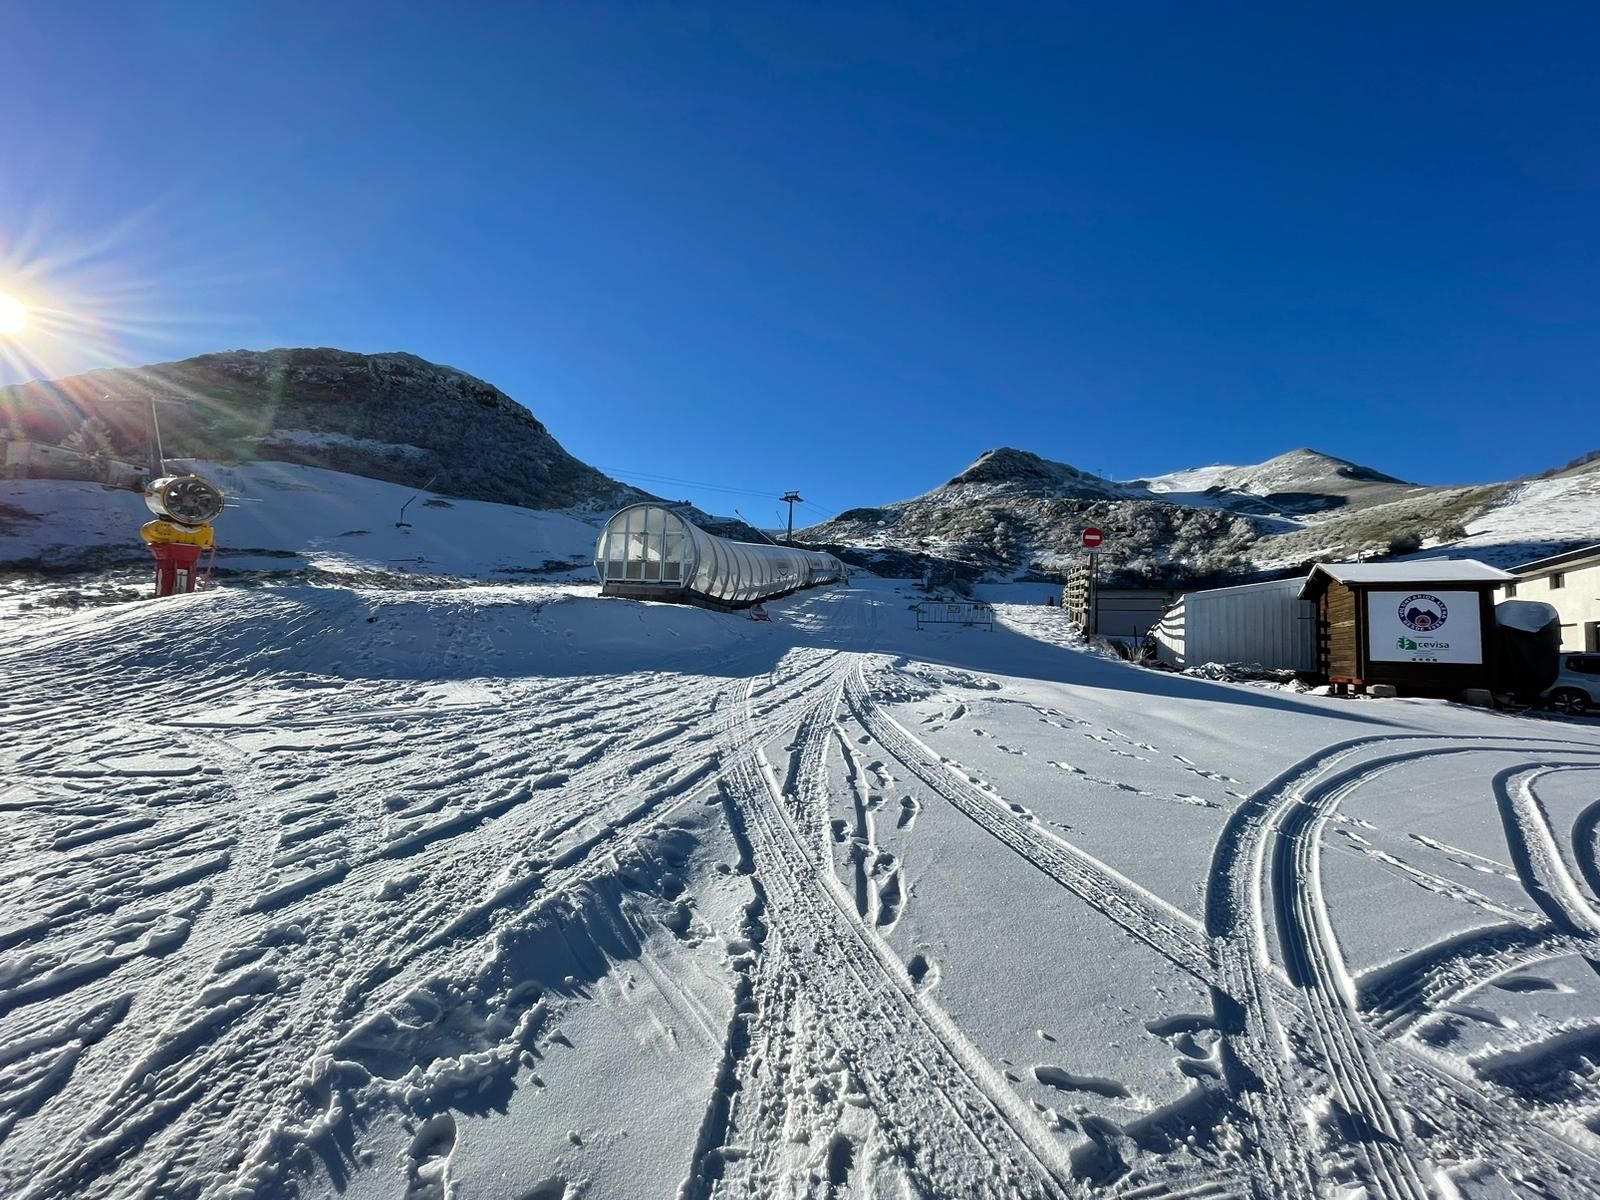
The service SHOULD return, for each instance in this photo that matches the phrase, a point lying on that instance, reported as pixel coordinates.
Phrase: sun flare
(13, 315)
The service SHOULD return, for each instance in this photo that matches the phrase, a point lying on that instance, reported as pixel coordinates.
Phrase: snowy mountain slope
(1538, 518)
(513, 891)
(1307, 481)
(1297, 485)
(1388, 529)
(394, 417)
(289, 518)
(1014, 515)
(1193, 481)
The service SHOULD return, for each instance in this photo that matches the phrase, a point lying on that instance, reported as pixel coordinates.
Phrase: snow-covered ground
(284, 517)
(1543, 517)
(517, 892)
(1194, 480)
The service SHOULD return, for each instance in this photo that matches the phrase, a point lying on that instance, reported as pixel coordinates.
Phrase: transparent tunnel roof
(649, 551)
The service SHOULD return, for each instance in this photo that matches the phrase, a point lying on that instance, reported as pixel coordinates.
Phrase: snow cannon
(185, 506)
(186, 499)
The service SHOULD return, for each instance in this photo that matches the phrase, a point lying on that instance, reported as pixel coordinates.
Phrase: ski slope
(283, 517)
(514, 891)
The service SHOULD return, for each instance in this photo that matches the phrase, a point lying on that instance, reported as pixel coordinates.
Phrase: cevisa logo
(1423, 613)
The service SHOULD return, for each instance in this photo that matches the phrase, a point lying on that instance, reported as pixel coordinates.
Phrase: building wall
(1262, 623)
(1130, 612)
(41, 460)
(1577, 600)
(1171, 635)
(1340, 652)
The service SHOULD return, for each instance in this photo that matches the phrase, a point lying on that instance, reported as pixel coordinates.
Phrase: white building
(1264, 624)
(1570, 582)
(23, 459)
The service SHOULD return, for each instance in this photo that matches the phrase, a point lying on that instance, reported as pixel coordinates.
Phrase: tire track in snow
(1287, 815)
(1395, 997)
(1165, 929)
(285, 1021)
(924, 1082)
(1395, 1162)
(446, 942)
(1536, 855)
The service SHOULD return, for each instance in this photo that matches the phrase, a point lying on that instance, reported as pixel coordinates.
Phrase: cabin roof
(1424, 570)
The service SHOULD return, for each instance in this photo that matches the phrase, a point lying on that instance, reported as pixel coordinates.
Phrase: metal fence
(954, 612)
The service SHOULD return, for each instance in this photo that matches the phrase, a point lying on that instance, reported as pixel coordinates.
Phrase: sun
(13, 315)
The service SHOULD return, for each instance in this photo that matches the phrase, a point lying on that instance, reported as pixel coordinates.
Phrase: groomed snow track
(191, 1009)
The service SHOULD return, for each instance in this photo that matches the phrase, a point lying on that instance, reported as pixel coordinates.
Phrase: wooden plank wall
(1339, 649)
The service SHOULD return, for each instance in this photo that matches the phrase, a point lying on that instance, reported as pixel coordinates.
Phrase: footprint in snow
(430, 1159)
(1065, 1081)
(908, 812)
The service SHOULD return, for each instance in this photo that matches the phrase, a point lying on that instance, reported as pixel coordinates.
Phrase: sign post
(1091, 539)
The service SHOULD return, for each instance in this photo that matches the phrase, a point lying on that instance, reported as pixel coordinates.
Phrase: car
(1577, 687)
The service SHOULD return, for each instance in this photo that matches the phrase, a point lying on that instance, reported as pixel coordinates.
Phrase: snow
(323, 439)
(1194, 480)
(1422, 570)
(1537, 519)
(282, 516)
(509, 890)
(1530, 616)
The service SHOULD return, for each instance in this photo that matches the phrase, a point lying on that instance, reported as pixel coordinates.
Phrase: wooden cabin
(1421, 627)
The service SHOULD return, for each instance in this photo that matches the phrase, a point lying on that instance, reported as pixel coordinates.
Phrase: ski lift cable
(658, 480)
(653, 479)
(401, 523)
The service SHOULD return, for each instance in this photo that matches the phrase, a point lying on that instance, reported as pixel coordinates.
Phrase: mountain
(1015, 515)
(1011, 514)
(1299, 483)
(392, 417)
(1018, 471)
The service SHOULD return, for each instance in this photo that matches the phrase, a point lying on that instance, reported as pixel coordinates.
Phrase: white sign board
(1424, 627)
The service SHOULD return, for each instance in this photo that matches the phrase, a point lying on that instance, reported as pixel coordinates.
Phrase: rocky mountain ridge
(393, 417)
(1015, 515)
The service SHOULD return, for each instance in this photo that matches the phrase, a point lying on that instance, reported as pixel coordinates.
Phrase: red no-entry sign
(1092, 539)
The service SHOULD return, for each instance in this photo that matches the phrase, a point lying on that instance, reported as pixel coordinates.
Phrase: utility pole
(154, 453)
(791, 498)
(158, 464)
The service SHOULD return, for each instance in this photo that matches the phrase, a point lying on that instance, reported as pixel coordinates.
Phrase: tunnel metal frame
(650, 552)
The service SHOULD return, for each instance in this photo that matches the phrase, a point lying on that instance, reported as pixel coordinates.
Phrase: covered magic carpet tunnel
(648, 552)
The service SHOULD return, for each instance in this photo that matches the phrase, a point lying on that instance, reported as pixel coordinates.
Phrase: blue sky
(844, 248)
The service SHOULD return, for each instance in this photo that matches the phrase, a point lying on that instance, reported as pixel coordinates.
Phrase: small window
(1511, 590)
(1559, 579)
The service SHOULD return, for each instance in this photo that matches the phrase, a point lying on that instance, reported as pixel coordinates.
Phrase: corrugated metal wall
(1263, 623)
(1169, 634)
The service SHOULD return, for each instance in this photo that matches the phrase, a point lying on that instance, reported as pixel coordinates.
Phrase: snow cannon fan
(185, 506)
(186, 499)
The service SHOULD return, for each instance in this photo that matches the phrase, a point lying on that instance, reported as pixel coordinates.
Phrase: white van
(1577, 688)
